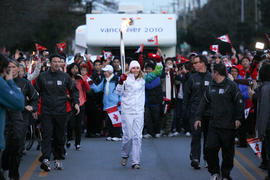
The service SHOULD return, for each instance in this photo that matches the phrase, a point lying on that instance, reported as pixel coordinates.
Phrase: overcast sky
(157, 5)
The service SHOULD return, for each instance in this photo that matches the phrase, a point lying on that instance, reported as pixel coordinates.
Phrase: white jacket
(133, 95)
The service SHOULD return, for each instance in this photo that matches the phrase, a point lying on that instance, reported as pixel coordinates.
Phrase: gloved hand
(123, 77)
(90, 81)
(156, 57)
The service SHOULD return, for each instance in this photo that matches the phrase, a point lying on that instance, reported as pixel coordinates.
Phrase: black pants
(267, 150)
(220, 139)
(195, 152)
(75, 122)
(11, 157)
(53, 136)
(95, 114)
(152, 119)
(178, 122)
(113, 131)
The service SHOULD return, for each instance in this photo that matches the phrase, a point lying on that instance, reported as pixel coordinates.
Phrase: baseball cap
(108, 68)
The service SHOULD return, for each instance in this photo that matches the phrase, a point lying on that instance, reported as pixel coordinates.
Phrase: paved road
(162, 159)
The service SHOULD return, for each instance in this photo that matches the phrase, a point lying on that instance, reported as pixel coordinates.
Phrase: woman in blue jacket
(110, 99)
(10, 97)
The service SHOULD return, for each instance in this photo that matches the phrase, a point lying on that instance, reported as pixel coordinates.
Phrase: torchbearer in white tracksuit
(132, 88)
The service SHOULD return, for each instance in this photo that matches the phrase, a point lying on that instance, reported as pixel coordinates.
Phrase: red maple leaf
(115, 117)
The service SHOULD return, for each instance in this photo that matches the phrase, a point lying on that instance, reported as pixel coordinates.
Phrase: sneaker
(195, 164)
(214, 177)
(68, 144)
(170, 134)
(158, 135)
(108, 138)
(58, 165)
(176, 133)
(116, 139)
(78, 147)
(45, 165)
(135, 166)
(188, 134)
(124, 161)
(147, 136)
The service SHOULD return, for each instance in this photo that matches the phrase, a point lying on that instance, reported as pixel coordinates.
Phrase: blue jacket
(112, 98)
(243, 89)
(12, 98)
(153, 92)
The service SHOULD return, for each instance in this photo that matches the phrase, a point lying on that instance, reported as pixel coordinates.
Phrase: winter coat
(226, 104)
(112, 99)
(243, 89)
(133, 95)
(53, 87)
(263, 112)
(193, 92)
(10, 97)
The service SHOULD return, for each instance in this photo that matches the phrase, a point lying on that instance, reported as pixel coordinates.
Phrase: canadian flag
(214, 48)
(256, 145)
(107, 54)
(140, 49)
(153, 39)
(181, 59)
(39, 47)
(61, 47)
(225, 38)
(114, 115)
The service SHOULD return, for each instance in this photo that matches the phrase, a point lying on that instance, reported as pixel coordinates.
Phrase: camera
(77, 76)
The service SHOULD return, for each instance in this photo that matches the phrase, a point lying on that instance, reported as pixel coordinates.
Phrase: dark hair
(245, 57)
(71, 66)
(116, 57)
(4, 61)
(150, 65)
(53, 56)
(168, 59)
(264, 74)
(221, 69)
(203, 59)
(97, 61)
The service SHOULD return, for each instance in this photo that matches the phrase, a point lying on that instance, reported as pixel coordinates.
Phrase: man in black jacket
(52, 86)
(193, 92)
(225, 101)
(263, 112)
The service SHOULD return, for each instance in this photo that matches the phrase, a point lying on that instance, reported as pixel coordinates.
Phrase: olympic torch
(124, 27)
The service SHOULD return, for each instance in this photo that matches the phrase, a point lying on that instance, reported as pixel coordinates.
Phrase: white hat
(108, 68)
(134, 63)
(205, 53)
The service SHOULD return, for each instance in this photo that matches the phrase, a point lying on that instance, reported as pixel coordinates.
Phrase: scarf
(107, 85)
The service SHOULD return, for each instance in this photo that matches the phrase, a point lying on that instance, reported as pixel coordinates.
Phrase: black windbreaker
(53, 87)
(193, 92)
(226, 104)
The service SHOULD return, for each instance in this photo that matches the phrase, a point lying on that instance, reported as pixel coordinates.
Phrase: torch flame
(125, 24)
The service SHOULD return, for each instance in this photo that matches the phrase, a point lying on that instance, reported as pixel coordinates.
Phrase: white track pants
(132, 127)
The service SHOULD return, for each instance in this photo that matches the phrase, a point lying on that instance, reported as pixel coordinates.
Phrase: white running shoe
(147, 136)
(108, 138)
(188, 134)
(116, 139)
(214, 177)
(158, 135)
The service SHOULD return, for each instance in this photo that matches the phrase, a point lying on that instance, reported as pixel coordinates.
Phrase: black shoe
(263, 166)
(45, 165)
(195, 164)
(136, 166)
